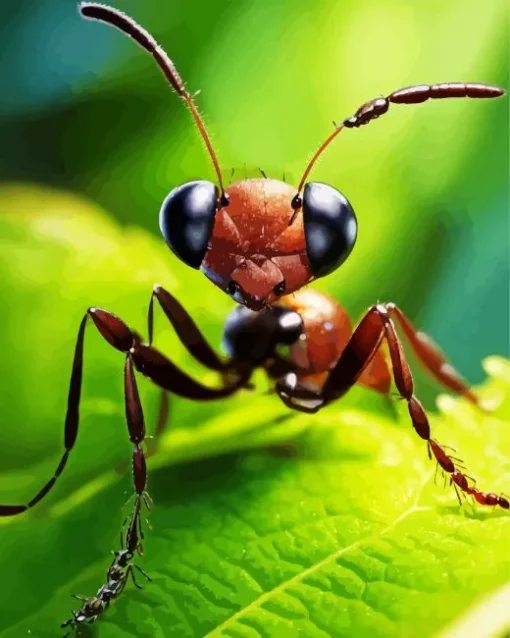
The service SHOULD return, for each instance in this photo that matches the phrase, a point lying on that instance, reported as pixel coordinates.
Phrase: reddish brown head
(259, 240)
(262, 238)
(257, 251)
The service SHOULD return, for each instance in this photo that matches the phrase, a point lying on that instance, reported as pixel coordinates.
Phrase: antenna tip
(93, 9)
(82, 7)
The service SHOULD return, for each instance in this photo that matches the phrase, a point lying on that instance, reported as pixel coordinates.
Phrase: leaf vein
(313, 568)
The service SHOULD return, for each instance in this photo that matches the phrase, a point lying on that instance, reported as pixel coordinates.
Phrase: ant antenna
(127, 25)
(416, 94)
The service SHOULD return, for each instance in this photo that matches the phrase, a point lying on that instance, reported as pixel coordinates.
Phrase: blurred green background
(84, 110)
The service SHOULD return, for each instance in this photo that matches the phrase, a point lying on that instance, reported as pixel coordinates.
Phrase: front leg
(152, 364)
(375, 327)
(194, 342)
(186, 329)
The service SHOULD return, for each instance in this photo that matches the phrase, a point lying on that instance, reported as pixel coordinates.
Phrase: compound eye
(330, 227)
(186, 220)
(234, 290)
(279, 289)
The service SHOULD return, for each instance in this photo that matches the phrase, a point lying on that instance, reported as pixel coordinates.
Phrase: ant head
(252, 241)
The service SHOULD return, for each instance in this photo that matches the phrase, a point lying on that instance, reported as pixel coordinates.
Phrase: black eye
(330, 227)
(296, 202)
(234, 290)
(186, 220)
(279, 289)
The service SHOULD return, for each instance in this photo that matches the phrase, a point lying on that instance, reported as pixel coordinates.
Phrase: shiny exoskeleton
(261, 241)
(261, 238)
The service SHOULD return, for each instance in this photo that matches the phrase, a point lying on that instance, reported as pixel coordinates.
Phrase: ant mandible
(261, 240)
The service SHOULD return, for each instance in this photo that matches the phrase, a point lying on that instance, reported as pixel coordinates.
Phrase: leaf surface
(346, 536)
(266, 523)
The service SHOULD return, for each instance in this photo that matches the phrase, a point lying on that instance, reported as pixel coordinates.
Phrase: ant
(116, 576)
(261, 240)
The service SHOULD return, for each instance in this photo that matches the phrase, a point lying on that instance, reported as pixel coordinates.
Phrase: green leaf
(348, 536)
(60, 255)
(313, 525)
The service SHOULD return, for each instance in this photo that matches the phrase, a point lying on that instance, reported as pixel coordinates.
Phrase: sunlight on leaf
(344, 533)
(266, 523)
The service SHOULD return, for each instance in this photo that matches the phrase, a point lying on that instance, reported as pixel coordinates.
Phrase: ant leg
(165, 374)
(136, 427)
(131, 572)
(70, 428)
(375, 326)
(186, 330)
(405, 386)
(404, 382)
(431, 356)
(143, 572)
(72, 621)
(161, 424)
(168, 377)
(148, 361)
(134, 533)
(377, 374)
(455, 487)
